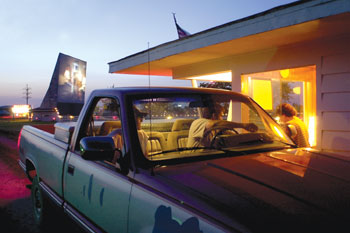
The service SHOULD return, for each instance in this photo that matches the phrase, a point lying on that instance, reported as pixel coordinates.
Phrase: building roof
(140, 90)
(287, 24)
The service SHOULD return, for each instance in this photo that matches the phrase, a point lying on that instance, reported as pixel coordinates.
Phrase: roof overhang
(288, 24)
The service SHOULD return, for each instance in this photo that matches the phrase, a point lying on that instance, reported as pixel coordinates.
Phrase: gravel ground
(16, 214)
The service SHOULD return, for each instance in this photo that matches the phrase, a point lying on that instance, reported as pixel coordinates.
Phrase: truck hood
(267, 190)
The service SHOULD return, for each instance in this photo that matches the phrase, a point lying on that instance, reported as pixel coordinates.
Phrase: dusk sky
(34, 32)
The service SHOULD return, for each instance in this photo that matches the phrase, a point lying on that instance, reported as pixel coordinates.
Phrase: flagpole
(174, 18)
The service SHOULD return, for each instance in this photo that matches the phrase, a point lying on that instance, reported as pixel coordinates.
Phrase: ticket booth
(296, 86)
(297, 53)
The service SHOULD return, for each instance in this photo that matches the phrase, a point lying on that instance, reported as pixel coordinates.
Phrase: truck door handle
(71, 169)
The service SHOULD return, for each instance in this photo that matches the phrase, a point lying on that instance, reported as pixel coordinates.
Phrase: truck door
(96, 193)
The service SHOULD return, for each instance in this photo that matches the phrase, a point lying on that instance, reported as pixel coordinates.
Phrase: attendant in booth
(293, 126)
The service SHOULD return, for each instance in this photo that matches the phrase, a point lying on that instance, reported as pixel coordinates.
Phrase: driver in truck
(143, 137)
(200, 133)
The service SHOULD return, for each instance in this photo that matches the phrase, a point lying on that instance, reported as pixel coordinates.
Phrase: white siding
(335, 102)
(338, 63)
(335, 140)
(336, 121)
(336, 83)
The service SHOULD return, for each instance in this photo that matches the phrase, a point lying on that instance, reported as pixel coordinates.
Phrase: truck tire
(41, 205)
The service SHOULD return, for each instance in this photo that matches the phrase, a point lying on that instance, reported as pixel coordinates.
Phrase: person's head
(286, 112)
(139, 117)
(214, 112)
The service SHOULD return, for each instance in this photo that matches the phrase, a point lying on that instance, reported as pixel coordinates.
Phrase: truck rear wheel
(41, 205)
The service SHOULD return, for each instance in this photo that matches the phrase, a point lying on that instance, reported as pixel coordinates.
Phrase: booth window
(296, 86)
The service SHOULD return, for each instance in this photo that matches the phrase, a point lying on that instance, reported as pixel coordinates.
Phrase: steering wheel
(217, 132)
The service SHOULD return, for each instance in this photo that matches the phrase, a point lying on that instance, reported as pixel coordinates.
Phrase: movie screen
(72, 80)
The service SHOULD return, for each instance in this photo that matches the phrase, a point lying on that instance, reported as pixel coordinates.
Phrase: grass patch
(11, 128)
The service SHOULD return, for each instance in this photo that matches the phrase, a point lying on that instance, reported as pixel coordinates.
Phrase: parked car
(5, 112)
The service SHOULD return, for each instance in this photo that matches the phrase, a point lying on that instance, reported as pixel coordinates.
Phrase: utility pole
(27, 93)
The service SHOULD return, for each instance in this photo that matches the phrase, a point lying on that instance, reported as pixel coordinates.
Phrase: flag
(181, 32)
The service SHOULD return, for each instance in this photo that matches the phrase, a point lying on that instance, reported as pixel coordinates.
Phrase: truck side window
(106, 116)
(105, 121)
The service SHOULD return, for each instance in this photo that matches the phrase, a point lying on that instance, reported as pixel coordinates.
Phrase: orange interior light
(262, 93)
(297, 90)
(284, 73)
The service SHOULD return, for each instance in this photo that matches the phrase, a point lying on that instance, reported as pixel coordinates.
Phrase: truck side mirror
(97, 148)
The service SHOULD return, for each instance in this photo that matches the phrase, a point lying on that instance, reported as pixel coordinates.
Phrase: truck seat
(156, 142)
(109, 126)
(159, 127)
(178, 136)
(182, 124)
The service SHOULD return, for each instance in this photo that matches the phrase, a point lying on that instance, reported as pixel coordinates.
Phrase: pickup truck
(242, 181)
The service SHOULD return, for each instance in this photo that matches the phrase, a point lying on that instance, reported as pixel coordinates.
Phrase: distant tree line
(219, 85)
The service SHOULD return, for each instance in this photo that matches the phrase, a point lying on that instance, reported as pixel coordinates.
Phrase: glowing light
(83, 84)
(20, 110)
(278, 119)
(229, 116)
(262, 93)
(312, 131)
(296, 90)
(278, 132)
(169, 117)
(194, 83)
(67, 74)
(284, 73)
(245, 85)
(222, 77)
(79, 76)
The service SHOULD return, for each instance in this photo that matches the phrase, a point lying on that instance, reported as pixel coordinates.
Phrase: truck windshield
(202, 124)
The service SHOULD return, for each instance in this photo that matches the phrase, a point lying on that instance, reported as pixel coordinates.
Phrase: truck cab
(143, 160)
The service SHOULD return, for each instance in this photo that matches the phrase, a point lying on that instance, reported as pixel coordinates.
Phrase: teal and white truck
(242, 181)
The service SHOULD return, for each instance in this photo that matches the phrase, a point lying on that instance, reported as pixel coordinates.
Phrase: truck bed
(50, 128)
(43, 148)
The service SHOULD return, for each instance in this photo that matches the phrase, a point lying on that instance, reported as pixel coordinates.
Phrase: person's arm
(118, 142)
(229, 124)
(206, 140)
(117, 137)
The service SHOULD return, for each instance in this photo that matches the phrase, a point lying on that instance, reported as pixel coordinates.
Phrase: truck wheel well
(30, 170)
